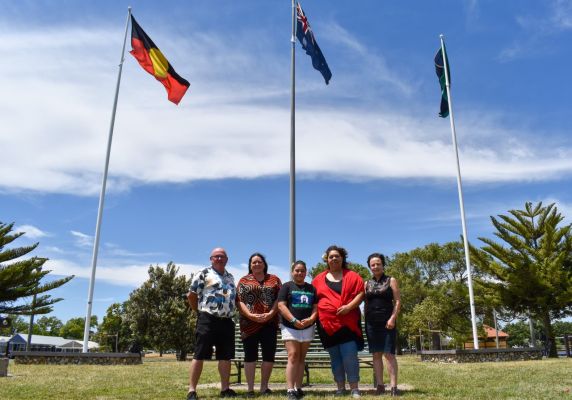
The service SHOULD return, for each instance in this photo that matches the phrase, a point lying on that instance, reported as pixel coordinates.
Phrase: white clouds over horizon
(134, 275)
(59, 88)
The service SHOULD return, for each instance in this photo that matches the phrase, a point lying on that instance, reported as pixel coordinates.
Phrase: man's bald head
(219, 259)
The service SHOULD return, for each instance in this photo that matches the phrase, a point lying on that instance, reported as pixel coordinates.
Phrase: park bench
(316, 357)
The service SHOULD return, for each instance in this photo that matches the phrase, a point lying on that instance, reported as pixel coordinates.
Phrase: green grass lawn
(547, 379)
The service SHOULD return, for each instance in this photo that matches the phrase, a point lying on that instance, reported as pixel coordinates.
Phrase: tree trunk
(182, 355)
(550, 344)
(398, 346)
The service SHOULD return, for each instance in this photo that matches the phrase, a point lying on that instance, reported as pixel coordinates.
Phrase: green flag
(440, 70)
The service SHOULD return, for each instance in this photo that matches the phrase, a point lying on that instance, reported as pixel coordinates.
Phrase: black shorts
(214, 331)
(266, 337)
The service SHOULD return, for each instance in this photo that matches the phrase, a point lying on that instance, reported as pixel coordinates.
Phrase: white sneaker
(355, 394)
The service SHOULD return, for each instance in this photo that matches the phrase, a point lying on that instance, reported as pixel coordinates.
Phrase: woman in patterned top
(256, 296)
(382, 305)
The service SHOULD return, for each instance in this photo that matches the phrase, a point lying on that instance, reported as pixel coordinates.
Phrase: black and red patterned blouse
(259, 298)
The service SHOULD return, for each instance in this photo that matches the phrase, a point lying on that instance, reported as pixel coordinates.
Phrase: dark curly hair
(343, 252)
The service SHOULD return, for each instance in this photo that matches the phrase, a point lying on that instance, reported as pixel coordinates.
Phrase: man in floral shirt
(213, 296)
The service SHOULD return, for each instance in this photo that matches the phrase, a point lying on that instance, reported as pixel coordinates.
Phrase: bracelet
(293, 320)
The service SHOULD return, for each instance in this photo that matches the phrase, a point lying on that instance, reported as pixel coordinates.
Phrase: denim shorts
(297, 335)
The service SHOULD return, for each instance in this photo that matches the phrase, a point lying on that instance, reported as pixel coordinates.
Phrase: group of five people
(297, 308)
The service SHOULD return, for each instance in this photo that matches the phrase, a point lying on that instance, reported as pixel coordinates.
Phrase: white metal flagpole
(461, 201)
(102, 196)
(293, 141)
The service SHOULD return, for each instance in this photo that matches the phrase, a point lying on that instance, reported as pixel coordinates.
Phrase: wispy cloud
(371, 63)
(81, 239)
(480, 214)
(32, 232)
(536, 29)
(473, 10)
(562, 14)
(113, 250)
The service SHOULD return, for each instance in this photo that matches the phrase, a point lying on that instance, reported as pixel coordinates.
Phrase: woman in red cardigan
(340, 291)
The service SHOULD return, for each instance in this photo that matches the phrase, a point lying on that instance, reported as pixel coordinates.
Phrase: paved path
(318, 387)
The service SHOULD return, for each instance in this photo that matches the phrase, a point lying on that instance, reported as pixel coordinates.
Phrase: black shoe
(395, 392)
(300, 393)
(228, 393)
(292, 395)
(267, 392)
(192, 396)
(250, 394)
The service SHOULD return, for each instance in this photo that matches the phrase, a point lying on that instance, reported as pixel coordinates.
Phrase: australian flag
(308, 41)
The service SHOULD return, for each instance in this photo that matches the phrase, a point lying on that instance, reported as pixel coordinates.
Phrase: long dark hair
(343, 252)
(263, 260)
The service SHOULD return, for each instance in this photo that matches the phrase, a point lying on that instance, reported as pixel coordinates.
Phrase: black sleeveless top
(379, 298)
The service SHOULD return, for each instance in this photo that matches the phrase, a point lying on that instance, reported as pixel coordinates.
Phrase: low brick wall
(46, 357)
(481, 355)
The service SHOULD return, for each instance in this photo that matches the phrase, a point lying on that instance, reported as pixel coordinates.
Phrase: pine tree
(23, 278)
(532, 269)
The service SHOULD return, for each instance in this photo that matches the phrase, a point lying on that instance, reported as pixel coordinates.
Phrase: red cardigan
(329, 301)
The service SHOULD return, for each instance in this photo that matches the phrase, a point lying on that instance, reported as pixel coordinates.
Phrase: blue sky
(376, 169)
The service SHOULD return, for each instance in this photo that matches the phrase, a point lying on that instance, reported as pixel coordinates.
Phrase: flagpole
(102, 195)
(293, 141)
(461, 201)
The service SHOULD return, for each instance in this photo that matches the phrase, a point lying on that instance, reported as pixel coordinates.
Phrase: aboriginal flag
(153, 61)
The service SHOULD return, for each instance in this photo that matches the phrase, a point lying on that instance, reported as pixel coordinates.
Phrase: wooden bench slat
(317, 356)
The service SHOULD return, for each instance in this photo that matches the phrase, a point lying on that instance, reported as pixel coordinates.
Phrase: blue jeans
(345, 362)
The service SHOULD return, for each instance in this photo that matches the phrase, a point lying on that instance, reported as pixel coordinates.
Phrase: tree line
(524, 273)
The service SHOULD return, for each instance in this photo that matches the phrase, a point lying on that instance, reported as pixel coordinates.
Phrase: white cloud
(31, 231)
(127, 275)
(135, 275)
(231, 124)
(562, 14)
(538, 30)
(81, 239)
(371, 63)
(53, 249)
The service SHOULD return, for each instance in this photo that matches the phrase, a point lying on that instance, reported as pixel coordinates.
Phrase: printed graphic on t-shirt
(302, 299)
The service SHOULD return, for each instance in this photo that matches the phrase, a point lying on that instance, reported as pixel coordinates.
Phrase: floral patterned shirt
(216, 292)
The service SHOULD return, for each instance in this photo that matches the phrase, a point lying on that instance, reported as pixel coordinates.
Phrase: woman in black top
(298, 309)
(382, 304)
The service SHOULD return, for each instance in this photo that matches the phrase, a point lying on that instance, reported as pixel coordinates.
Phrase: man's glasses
(218, 257)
